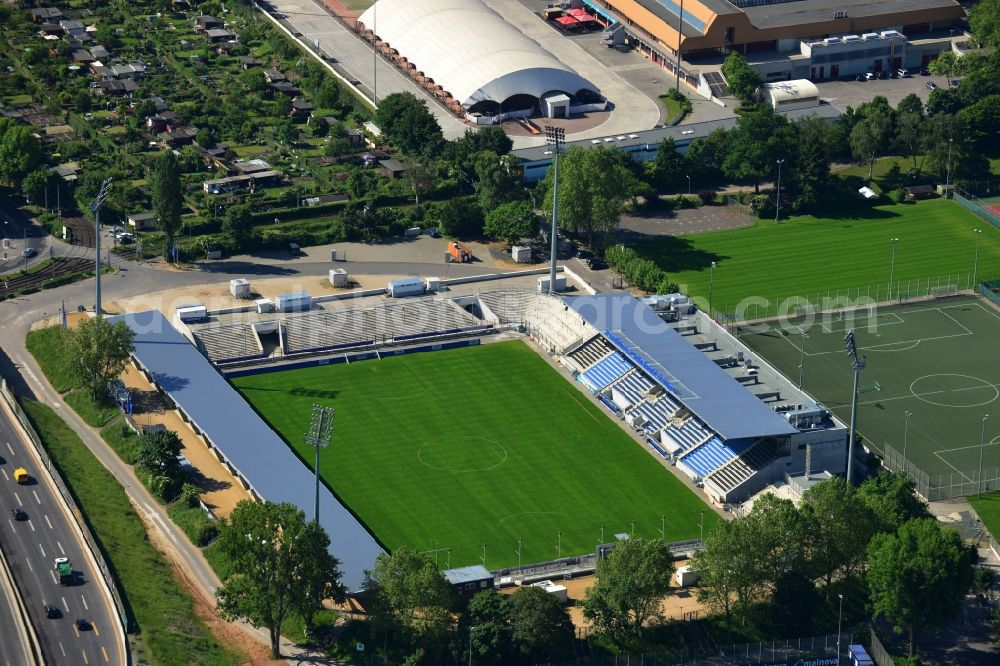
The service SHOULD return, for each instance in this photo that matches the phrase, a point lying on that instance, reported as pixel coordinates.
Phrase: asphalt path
(31, 546)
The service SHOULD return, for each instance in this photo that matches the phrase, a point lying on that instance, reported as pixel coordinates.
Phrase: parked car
(596, 264)
(17, 513)
(903, 72)
(861, 77)
(869, 76)
(52, 612)
(954, 83)
(28, 252)
(931, 85)
(925, 72)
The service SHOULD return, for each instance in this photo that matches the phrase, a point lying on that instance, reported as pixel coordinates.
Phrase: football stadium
(500, 427)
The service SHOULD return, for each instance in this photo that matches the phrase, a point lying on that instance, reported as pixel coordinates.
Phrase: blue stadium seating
(606, 372)
(708, 457)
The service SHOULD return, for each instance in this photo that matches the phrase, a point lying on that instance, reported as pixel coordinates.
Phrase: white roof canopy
(470, 50)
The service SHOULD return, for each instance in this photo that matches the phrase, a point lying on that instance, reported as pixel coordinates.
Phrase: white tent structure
(790, 95)
(471, 52)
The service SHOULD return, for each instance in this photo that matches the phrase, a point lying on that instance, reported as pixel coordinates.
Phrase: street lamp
(975, 265)
(802, 353)
(982, 447)
(689, 185)
(840, 616)
(906, 429)
(777, 204)
(320, 431)
(680, 36)
(892, 263)
(554, 136)
(711, 284)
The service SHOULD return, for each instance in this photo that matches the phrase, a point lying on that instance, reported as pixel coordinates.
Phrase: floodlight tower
(858, 363)
(320, 432)
(95, 206)
(554, 136)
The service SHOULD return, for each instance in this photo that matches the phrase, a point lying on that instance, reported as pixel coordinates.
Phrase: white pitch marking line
(48, 522)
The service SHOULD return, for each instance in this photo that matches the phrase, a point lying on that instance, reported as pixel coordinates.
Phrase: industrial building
(474, 62)
(782, 39)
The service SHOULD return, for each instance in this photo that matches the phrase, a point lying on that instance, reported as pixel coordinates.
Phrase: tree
(540, 627)
(743, 80)
(918, 577)
(35, 185)
(459, 216)
(910, 104)
(97, 351)
(839, 527)
(812, 172)
(419, 176)
(760, 138)
(286, 132)
(511, 221)
(238, 223)
(728, 574)
(157, 459)
(870, 137)
(408, 124)
(496, 179)
(487, 626)
(20, 152)
(168, 197)
(984, 20)
(705, 157)
(631, 584)
(277, 557)
(594, 185)
(409, 594)
(669, 168)
(908, 134)
(892, 500)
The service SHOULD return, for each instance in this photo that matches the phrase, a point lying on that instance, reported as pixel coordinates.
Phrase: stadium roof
(244, 439)
(702, 386)
(470, 50)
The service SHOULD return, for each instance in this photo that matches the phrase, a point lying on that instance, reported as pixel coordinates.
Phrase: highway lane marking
(65, 605)
(76, 631)
(53, 574)
(35, 493)
(62, 649)
(12, 526)
(85, 660)
(59, 543)
(94, 627)
(104, 653)
(41, 549)
(85, 606)
(49, 522)
(31, 525)
(10, 449)
(29, 565)
(6, 478)
(18, 498)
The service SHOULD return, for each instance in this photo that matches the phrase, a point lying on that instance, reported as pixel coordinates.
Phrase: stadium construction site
(689, 393)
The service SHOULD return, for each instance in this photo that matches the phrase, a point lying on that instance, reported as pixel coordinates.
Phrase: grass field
(810, 255)
(485, 445)
(988, 509)
(936, 360)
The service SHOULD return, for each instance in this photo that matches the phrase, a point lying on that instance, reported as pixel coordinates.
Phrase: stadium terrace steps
(591, 353)
(738, 470)
(634, 386)
(509, 306)
(606, 371)
(227, 343)
(710, 456)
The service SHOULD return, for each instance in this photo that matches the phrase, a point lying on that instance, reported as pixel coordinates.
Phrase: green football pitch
(814, 256)
(936, 360)
(477, 447)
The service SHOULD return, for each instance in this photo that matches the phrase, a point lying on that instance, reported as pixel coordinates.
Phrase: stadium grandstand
(473, 61)
(688, 389)
(777, 35)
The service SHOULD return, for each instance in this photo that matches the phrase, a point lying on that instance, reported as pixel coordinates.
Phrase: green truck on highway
(65, 569)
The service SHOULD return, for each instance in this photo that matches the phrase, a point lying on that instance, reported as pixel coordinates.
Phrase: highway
(32, 544)
(13, 648)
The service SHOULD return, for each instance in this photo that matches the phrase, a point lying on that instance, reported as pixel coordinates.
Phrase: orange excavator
(458, 253)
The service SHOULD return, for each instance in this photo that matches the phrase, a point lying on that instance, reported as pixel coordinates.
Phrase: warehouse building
(785, 39)
(474, 62)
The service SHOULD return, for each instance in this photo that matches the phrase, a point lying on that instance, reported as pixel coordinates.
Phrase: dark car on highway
(52, 612)
(17, 513)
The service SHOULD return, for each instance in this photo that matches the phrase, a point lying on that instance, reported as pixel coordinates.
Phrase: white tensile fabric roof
(470, 50)
(783, 91)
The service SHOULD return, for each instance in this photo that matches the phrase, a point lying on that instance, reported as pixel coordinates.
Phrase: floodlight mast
(320, 432)
(858, 363)
(95, 206)
(554, 136)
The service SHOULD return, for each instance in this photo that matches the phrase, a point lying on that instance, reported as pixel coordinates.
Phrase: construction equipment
(458, 253)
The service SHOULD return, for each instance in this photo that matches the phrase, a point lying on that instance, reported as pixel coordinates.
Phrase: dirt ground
(680, 604)
(684, 221)
(220, 489)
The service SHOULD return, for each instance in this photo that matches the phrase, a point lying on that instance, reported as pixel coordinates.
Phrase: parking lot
(843, 94)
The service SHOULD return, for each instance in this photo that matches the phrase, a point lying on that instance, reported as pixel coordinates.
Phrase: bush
(899, 195)
(640, 272)
(707, 196)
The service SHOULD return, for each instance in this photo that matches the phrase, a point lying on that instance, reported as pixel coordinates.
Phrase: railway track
(59, 266)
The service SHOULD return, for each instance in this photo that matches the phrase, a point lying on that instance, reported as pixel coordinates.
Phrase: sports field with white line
(482, 446)
(939, 360)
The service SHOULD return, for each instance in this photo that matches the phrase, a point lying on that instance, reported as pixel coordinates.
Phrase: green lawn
(936, 360)
(171, 632)
(807, 256)
(461, 448)
(988, 508)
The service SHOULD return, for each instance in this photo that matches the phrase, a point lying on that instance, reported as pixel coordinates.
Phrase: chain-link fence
(934, 487)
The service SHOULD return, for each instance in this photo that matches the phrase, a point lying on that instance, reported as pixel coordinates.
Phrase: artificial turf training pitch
(478, 446)
(936, 360)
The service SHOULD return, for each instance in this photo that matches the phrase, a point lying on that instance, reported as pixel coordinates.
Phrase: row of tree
(778, 560)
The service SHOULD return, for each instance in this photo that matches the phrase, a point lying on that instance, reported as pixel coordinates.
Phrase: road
(13, 648)
(18, 232)
(32, 544)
